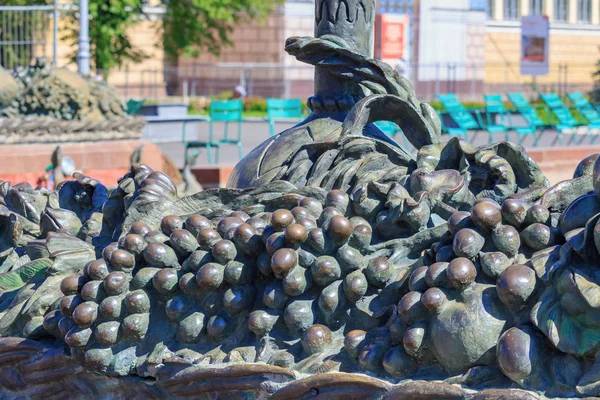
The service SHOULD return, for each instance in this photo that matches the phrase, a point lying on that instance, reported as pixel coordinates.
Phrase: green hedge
(253, 104)
(258, 105)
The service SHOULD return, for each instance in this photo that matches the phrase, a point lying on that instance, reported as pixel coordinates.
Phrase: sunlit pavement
(253, 133)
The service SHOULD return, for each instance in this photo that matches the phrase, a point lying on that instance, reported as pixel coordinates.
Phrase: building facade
(469, 47)
(574, 43)
(474, 47)
(258, 59)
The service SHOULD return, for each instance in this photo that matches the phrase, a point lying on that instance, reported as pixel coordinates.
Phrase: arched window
(512, 9)
(561, 10)
(536, 7)
(584, 11)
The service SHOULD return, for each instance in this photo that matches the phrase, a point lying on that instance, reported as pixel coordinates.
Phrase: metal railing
(24, 32)
(469, 81)
(264, 80)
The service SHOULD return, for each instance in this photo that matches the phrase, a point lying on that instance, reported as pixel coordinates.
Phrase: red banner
(391, 38)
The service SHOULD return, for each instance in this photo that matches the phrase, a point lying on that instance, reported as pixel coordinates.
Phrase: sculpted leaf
(565, 317)
(13, 280)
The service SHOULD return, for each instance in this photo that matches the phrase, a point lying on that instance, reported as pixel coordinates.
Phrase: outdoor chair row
(456, 119)
(495, 118)
(230, 112)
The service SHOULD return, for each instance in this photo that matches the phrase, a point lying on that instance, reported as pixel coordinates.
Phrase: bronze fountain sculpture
(46, 104)
(334, 266)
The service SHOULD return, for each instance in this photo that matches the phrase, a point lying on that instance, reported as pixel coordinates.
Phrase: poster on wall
(535, 45)
(392, 40)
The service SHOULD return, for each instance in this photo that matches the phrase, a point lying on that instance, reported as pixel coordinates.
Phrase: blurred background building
(469, 47)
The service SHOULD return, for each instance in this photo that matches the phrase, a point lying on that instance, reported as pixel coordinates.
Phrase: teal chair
(391, 129)
(494, 108)
(587, 113)
(134, 106)
(529, 113)
(228, 112)
(283, 109)
(459, 114)
(388, 127)
(585, 108)
(563, 118)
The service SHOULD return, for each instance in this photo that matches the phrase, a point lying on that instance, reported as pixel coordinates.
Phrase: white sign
(535, 45)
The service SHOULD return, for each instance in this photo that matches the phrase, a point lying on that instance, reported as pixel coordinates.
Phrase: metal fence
(27, 32)
(470, 81)
(264, 80)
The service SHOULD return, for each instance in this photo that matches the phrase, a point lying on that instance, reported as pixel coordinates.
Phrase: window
(512, 9)
(490, 8)
(536, 7)
(561, 10)
(395, 6)
(477, 5)
(584, 11)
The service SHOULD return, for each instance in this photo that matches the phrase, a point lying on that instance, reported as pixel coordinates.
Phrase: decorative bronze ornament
(335, 265)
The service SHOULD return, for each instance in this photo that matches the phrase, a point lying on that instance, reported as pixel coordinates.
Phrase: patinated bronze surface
(45, 104)
(335, 265)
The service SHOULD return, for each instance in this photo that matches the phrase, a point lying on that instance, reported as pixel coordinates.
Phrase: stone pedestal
(106, 161)
(212, 176)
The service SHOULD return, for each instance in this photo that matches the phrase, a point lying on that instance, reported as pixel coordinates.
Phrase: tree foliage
(110, 32)
(191, 26)
(188, 26)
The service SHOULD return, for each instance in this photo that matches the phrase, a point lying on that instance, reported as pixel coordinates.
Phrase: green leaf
(568, 321)
(543, 261)
(69, 254)
(14, 280)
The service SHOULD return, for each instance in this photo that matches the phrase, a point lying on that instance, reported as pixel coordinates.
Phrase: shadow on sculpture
(334, 266)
